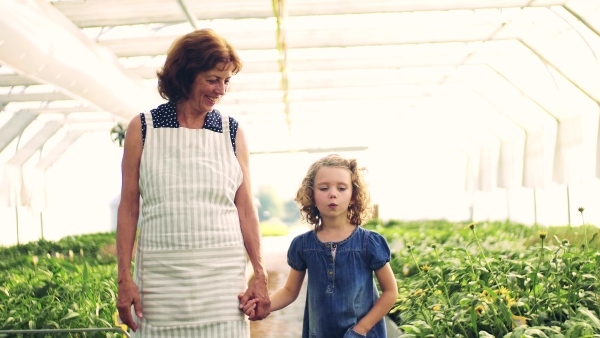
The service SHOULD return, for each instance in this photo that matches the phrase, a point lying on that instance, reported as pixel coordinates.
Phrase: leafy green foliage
(61, 290)
(494, 279)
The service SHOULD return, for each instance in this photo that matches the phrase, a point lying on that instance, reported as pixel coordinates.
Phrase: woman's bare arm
(389, 295)
(251, 233)
(127, 219)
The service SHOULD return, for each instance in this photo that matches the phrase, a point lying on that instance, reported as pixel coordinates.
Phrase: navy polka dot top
(164, 116)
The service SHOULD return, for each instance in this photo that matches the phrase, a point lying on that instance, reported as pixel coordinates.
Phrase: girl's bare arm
(389, 295)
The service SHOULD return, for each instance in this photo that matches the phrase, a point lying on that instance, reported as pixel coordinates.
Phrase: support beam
(35, 144)
(33, 97)
(103, 13)
(188, 14)
(48, 160)
(15, 126)
(41, 42)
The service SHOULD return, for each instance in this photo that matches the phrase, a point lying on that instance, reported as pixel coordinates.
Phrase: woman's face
(209, 87)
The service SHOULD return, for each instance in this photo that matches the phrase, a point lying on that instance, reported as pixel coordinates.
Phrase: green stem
(446, 293)
(485, 258)
(537, 270)
(584, 233)
(421, 271)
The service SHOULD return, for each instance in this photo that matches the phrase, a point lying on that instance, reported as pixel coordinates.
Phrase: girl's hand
(353, 334)
(250, 307)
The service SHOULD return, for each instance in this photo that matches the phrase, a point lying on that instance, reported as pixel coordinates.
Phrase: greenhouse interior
(460, 110)
(475, 114)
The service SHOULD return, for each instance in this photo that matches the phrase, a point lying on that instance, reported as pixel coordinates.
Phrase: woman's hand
(128, 295)
(258, 294)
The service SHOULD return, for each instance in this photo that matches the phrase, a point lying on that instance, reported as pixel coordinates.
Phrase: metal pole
(508, 205)
(42, 223)
(534, 208)
(17, 221)
(568, 206)
(108, 329)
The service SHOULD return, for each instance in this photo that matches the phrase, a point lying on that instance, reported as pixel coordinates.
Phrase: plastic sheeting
(18, 192)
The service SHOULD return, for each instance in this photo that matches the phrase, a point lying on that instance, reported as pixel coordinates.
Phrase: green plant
(482, 282)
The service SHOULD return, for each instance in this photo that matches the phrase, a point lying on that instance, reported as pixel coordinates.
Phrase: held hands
(250, 308)
(255, 301)
(128, 295)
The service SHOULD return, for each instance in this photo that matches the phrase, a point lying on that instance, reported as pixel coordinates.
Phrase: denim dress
(341, 288)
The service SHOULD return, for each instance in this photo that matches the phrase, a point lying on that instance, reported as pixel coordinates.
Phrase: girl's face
(209, 87)
(333, 191)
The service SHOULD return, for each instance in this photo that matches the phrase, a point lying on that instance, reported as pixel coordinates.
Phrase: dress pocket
(185, 287)
(353, 334)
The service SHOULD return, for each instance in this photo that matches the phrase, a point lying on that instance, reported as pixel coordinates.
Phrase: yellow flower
(486, 296)
(118, 322)
(503, 291)
(479, 310)
(436, 307)
(425, 268)
(419, 292)
(510, 301)
(543, 234)
(35, 260)
(470, 226)
(405, 269)
(519, 321)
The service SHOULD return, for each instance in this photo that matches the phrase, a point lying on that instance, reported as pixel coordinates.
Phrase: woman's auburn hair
(190, 54)
(360, 211)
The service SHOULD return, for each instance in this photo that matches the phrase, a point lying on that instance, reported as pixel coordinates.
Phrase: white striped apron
(190, 262)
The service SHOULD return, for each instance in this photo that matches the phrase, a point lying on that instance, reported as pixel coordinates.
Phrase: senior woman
(189, 165)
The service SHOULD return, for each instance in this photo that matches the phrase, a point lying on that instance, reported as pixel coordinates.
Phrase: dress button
(331, 272)
(327, 246)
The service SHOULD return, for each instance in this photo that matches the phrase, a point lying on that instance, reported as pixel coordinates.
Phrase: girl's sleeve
(378, 251)
(295, 257)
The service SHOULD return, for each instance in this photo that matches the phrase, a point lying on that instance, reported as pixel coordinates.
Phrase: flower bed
(494, 279)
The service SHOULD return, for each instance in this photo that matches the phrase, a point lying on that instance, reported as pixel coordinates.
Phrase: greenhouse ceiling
(477, 72)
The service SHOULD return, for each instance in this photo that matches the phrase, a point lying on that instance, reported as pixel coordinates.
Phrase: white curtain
(510, 163)
(472, 169)
(534, 168)
(567, 167)
(488, 168)
(20, 193)
(598, 152)
(39, 195)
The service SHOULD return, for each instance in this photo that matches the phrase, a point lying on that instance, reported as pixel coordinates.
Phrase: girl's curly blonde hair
(360, 211)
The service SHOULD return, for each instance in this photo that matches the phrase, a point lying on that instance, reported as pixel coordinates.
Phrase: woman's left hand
(257, 289)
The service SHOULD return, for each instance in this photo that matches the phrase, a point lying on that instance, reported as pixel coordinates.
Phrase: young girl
(342, 299)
